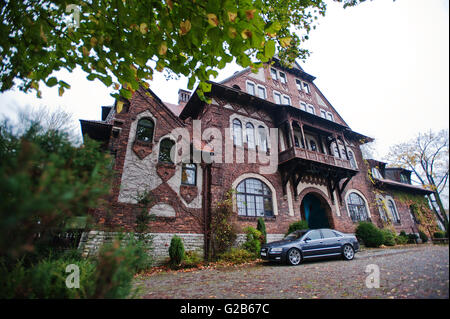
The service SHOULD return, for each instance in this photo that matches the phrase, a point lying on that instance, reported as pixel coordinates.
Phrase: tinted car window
(327, 233)
(338, 234)
(314, 234)
(295, 235)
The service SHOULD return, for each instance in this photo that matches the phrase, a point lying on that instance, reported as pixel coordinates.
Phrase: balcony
(298, 153)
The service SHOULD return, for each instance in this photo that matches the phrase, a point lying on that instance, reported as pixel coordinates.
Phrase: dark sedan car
(304, 244)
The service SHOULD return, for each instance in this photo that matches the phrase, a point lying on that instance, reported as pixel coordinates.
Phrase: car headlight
(276, 250)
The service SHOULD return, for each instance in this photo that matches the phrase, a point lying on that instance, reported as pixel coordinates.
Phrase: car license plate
(263, 253)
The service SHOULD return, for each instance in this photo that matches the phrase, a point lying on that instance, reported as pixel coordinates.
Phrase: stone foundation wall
(91, 242)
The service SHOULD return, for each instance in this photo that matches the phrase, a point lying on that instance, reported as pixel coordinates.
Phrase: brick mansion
(277, 115)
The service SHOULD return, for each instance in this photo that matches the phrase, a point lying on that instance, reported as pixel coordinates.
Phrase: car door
(312, 244)
(331, 242)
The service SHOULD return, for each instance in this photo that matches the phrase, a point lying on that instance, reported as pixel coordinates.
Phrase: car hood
(278, 243)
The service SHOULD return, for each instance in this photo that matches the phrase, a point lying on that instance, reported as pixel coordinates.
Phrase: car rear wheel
(348, 252)
(294, 257)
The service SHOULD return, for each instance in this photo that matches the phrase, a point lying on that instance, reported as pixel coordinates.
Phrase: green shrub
(192, 259)
(139, 254)
(412, 238)
(46, 280)
(388, 237)
(423, 236)
(299, 225)
(369, 234)
(439, 234)
(237, 256)
(176, 250)
(115, 271)
(261, 226)
(253, 242)
(401, 240)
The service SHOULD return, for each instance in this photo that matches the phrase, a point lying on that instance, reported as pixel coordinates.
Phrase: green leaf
(52, 81)
(269, 49)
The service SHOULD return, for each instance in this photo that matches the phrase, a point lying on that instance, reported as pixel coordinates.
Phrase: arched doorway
(315, 210)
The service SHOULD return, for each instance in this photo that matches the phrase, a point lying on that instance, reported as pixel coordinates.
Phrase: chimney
(183, 96)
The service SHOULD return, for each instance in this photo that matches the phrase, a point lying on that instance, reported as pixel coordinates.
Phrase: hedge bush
(299, 225)
(388, 237)
(401, 239)
(423, 236)
(412, 238)
(176, 250)
(369, 234)
(253, 242)
(237, 256)
(439, 234)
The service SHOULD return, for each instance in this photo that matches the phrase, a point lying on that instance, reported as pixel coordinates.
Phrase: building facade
(272, 136)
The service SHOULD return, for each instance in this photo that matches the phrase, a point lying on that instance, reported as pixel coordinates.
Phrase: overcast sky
(383, 65)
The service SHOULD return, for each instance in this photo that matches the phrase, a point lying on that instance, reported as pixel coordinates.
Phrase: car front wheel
(348, 252)
(294, 257)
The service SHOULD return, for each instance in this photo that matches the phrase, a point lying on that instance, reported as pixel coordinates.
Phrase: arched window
(352, 160)
(165, 151)
(262, 138)
(189, 174)
(250, 133)
(382, 210)
(391, 206)
(254, 198)
(144, 130)
(237, 132)
(357, 207)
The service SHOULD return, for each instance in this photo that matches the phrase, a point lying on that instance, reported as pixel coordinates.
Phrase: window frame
(288, 99)
(163, 151)
(250, 83)
(265, 195)
(393, 209)
(185, 168)
(355, 216)
(258, 87)
(235, 123)
(272, 74)
(282, 77)
(139, 124)
(306, 87)
(247, 129)
(276, 93)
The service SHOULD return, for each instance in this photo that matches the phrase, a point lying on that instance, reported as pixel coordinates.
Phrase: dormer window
(311, 109)
(251, 88)
(404, 179)
(306, 87)
(262, 92)
(376, 173)
(286, 100)
(273, 74)
(277, 97)
(298, 83)
(283, 78)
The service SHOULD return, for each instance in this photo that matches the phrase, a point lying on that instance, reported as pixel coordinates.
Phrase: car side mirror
(307, 239)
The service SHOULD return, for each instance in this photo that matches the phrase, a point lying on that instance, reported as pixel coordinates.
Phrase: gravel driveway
(412, 272)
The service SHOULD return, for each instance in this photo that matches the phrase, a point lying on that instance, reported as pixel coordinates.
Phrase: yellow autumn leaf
(93, 41)
(143, 28)
(284, 42)
(185, 26)
(232, 16)
(212, 19)
(119, 106)
(162, 48)
(245, 34)
(60, 91)
(85, 51)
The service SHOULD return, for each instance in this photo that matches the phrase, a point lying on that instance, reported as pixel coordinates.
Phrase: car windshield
(295, 235)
